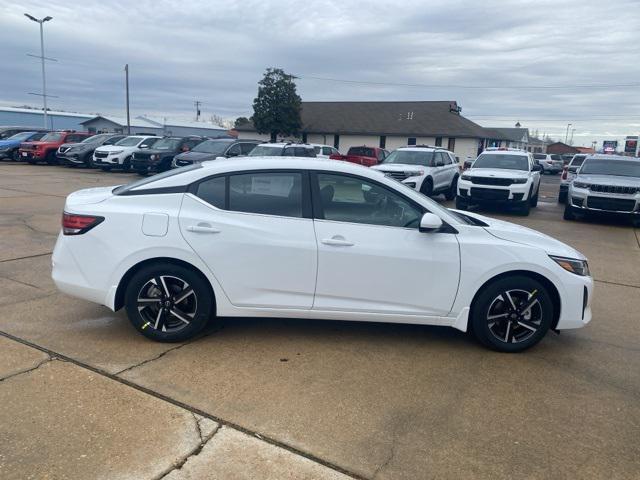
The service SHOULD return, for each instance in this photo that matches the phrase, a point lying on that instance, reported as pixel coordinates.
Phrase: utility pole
(566, 136)
(42, 59)
(571, 138)
(126, 76)
(197, 104)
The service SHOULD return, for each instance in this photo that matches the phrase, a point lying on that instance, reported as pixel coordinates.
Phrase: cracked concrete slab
(16, 358)
(233, 455)
(78, 424)
(84, 331)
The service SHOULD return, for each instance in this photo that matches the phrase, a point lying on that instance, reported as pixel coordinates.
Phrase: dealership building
(391, 125)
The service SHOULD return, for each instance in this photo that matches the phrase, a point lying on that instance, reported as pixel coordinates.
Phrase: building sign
(609, 146)
(631, 145)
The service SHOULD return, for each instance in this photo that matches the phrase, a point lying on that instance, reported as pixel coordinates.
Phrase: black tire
(51, 158)
(453, 189)
(427, 187)
(534, 199)
(562, 197)
(568, 212)
(492, 319)
(31, 161)
(15, 155)
(461, 204)
(105, 169)
(524, 208)
(126, 164)
(157, 320)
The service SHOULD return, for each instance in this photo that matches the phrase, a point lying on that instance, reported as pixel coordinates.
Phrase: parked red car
(367, 156)
(44, 150)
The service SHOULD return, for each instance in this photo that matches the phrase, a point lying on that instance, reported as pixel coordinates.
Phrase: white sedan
(307, 238)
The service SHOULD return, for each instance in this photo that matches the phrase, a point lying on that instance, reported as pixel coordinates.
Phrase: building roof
(38, 111)
(173, 122)
(122, 121)
(511, 134)
(413, 119)
(585, 150)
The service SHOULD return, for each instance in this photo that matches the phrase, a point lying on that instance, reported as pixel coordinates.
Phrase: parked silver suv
(605, 183)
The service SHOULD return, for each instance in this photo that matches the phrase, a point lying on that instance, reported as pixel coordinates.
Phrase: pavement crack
(616, 283)
(386, 463)
(28, 370)
(24, 258)
(20, 282)
(194, 451)
(153, 359)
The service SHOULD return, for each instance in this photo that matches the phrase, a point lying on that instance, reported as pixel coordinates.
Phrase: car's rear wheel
(168, 303)
(453, 190)
(512, 314)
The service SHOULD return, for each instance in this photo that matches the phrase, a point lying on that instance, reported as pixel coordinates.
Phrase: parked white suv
(119, 155)
(510, 177)
(430, 170)
(324, 151)
(550, 163)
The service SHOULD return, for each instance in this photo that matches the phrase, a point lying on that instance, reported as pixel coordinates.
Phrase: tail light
(564, 173)
(73, 224)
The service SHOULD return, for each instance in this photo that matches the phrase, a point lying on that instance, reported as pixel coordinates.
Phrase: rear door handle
(337, 242)
(202, 228)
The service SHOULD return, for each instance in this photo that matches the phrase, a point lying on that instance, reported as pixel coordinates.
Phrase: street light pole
(566, 136)
(42, 58)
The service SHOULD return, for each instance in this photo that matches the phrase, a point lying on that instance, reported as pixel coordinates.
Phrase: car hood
(75, 146)
(526, 236)
(158, 152)
(398, 167)
(112, 148)
(613, 180)
(36, 143)
(196, 156)
(88, 196)
(496, 173)
(9, 143)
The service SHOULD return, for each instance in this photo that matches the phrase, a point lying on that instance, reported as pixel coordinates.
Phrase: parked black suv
(212, 149)
(158, 158)
(76, 154)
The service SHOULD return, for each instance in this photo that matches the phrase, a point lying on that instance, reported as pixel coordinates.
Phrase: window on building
(304, 137)
(411, 141)
(383, 141)
(336, 141)
(452, 144)
(438, 141)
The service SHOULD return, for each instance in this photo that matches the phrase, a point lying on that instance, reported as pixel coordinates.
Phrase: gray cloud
(216, 51)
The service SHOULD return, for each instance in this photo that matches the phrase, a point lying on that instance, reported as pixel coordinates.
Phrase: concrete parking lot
(82, 395)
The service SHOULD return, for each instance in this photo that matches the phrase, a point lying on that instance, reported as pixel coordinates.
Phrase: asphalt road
(82, 395)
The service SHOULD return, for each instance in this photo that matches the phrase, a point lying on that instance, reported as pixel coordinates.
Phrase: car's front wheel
(168, 303)
(512, 314)
(461, 204)
(453, 189)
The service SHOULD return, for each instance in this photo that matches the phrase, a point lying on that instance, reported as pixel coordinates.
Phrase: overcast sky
(216, 51)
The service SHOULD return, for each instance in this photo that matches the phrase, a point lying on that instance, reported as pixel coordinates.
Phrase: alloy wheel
(167, 303)
(515, 315)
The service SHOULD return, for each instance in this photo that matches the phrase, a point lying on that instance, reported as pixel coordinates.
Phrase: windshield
(95, 139)
(623, 168)
(556, 157)
(361, 151)
(144, 181)
(410, 157)
(266, 151)
(149, 142)
(128, 142)
(578, 160)
(52, 137)
(167, 144)
(215, 147)
(507, 162)
(21, 136)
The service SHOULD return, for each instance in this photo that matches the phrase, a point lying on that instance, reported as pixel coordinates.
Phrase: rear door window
(267, 193)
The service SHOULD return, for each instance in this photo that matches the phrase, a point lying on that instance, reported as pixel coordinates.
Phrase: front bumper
(491, 194)
(72, 159)
(576, 302)
(110, 161)
(30, 155)
(583, 199)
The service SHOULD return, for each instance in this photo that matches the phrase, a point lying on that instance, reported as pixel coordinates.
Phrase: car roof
(285, 144)
(426, 148)
(602, 156)
(506, 152)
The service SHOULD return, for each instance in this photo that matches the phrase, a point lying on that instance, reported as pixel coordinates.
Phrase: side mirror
(185, 149)
(233, 154)
(537, 167)
(430, 222)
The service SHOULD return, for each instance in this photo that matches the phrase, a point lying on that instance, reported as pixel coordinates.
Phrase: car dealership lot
(83, 392)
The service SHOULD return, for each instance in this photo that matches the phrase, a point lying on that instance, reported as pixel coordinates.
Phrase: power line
(475, 87)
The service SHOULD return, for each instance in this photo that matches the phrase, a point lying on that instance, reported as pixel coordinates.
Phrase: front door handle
(337, 241)
(202, 228)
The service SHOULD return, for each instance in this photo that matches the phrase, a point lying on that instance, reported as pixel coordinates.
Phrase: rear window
(123, 189)
(556, 157)
(361, 151)
(578, 160)
(539, 156)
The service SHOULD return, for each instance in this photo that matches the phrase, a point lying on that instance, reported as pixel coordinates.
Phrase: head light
(518, 180)
(580, 184)
(153, 157)
(573, 265)
(465, 177)
(116, 152)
